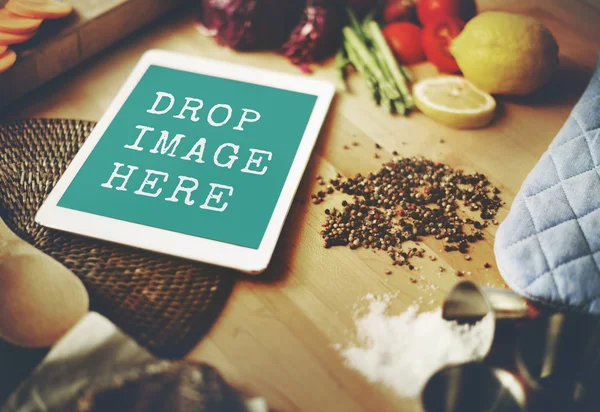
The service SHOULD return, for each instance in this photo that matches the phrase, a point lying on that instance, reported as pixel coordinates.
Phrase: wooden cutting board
(60, 45)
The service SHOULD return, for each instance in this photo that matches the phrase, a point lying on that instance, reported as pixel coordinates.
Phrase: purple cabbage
(250, 24)
(317, 36)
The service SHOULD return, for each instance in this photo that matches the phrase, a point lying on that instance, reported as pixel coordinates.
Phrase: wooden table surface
(275, 337)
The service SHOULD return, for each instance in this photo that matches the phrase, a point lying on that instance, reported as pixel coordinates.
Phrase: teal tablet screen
(194, 154)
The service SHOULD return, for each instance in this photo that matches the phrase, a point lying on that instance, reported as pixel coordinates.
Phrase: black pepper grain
(408, 199)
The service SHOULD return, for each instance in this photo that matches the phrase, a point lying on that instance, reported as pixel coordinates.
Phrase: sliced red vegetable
(405, 41)
(436, 40)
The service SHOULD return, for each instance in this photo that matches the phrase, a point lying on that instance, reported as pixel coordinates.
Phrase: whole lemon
(506, 53)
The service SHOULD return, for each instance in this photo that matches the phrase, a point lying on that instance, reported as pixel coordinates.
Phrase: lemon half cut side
(454, 102)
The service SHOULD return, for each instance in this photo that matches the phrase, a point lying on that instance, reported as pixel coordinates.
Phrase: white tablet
(194, 158)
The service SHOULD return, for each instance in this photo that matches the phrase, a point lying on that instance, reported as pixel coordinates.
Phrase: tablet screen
(194, 154)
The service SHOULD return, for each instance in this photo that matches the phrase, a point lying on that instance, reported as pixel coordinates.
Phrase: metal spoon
(469, 303)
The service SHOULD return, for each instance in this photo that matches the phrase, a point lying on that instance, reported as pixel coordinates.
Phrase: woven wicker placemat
(167, 304)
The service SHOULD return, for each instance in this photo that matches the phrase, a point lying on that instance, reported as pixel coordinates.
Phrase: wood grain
(275, 337)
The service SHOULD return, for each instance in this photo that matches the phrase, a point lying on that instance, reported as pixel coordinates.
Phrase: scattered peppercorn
(377, 146)
(406, 200)
(467, 257)
(395, 153)
(388, 272)
(376, 156)
(346, 147)
(413, 280)
(487, 265)
(460, 273)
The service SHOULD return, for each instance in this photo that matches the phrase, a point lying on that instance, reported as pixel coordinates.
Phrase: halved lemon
(454, 102)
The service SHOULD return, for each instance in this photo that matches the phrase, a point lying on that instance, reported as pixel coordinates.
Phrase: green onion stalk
(367, 50)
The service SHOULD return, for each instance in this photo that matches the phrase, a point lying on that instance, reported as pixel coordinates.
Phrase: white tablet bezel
(245, 259)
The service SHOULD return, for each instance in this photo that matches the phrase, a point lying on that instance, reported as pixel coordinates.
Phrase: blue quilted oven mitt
(548, 248)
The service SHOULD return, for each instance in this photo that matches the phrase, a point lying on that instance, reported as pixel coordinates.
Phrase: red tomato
(430, 11)
(405, 41)
(436, 40)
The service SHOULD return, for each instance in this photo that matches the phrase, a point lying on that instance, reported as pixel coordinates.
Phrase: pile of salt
(403, 351)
